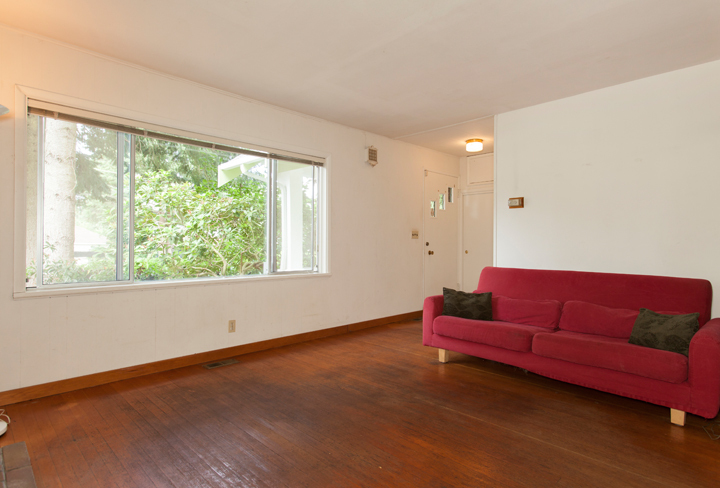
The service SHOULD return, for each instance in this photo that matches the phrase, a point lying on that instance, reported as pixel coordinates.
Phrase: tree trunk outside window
(59, 193)
(31, 193)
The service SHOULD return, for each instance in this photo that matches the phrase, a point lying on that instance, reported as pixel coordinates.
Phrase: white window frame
(102, 112)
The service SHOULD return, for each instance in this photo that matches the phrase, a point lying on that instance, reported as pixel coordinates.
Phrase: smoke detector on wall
(372, 156)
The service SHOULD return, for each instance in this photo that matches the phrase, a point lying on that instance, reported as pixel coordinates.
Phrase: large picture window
(110, 202)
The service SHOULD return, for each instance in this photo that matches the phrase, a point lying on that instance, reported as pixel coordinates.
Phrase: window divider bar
(131, 213)
(314, 230)
(272, 215)
(40, 238)
(119, 227)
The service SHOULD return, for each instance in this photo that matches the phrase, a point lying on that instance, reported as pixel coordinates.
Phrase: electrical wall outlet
(231, 326)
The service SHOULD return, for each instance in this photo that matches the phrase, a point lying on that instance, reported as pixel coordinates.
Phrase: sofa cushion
(589, 318)
(667, 332)
(516, 337)
(612, 353)
(476, 306)
(540, 313)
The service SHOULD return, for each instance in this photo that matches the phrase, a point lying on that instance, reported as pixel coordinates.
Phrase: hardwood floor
(371, 408)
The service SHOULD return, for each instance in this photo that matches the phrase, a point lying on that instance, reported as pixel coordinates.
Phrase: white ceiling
(400, 68)
(451, 139)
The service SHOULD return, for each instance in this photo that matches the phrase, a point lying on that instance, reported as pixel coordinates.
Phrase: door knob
(431, 253)
(466, 251)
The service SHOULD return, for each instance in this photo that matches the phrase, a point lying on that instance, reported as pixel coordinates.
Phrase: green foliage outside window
(185, 226)
(185, 231)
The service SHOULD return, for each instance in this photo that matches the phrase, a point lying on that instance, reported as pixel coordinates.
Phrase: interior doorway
(440, 221)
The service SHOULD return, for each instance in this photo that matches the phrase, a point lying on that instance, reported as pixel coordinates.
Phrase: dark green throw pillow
(667, 332)
(475, 306)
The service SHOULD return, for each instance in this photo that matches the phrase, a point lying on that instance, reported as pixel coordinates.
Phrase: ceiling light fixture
(473, 145)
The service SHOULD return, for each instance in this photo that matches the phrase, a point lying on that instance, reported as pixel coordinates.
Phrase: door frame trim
(478, 191)
(440, 173)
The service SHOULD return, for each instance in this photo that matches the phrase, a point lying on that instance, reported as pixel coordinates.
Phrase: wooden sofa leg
(443, 355)
(677, 417)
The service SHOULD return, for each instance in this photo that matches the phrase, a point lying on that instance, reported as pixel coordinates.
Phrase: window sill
(156, 285)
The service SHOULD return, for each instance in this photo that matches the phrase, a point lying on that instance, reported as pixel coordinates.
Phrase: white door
(440, 220)
(477, 237)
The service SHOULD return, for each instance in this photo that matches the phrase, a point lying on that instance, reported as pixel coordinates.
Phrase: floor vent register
(219, 364)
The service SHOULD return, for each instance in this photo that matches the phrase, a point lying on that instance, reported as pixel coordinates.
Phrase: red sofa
(574, 326)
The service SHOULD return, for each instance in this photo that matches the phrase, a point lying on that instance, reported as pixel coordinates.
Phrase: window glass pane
(199, 212)
(108, 205)
(31, 197)
(441, 201)
(296, 211)
(125, 141)
(79, 202)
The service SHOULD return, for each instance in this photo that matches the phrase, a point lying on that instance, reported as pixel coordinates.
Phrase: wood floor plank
(112, 441)
(280, 456)
(165, 455)
(505, 461)
(551, 420)
(125, 440)
(100, 438)
(176, 425)
(283, 458)
(374, 443)
(74, 442)
(371, 408)
(495, 408)
(90, 467)
(31, 433)
(192, 465)
(297, 423)
(61, 462)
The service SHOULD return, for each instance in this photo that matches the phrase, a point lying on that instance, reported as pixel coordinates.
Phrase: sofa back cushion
(589, 318)
(540, 313)
(632, 292)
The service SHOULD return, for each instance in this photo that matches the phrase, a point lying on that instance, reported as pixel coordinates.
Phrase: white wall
(623, 179)
(376, 268)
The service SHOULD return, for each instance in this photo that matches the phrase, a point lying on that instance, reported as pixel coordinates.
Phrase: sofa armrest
(704, 368)
(432, 308)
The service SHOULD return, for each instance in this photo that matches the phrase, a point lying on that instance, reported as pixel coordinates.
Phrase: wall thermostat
(516, 202)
